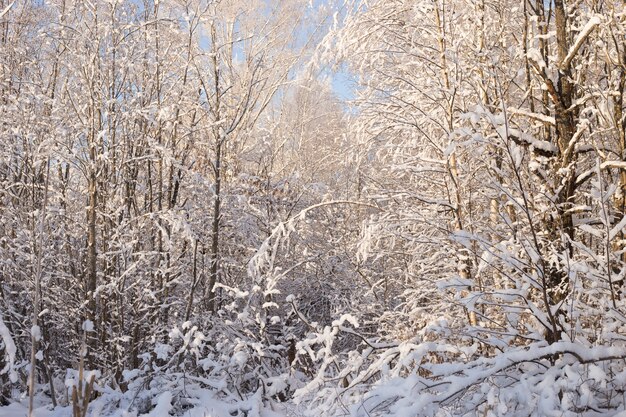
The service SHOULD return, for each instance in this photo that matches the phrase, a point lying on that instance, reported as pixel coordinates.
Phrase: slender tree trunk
(217, 169)
(215, 228)
(564, 116)
(92, 255)
(35, 332)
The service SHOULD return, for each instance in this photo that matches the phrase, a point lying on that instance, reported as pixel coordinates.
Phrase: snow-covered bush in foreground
(438, 379)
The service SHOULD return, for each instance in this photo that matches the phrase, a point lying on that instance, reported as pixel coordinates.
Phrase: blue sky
(343, 84)
(341, 80)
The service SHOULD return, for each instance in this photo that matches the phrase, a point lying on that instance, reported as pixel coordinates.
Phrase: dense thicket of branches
(193, 222)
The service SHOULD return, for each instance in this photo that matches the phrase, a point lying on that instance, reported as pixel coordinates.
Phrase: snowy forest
(291, 208)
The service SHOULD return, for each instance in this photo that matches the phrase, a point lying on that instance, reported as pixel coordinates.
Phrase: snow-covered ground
(116, 405)
(21, 410)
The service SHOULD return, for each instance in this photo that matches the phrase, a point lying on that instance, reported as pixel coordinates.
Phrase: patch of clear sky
(341, 81)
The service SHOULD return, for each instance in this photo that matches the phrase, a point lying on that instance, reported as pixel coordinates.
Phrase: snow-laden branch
(605, 165)
(542, 147)
(442, 384)
(582, 36)
(265, 257)
(482, 368)
(537, 116)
